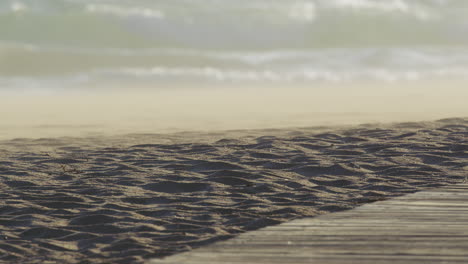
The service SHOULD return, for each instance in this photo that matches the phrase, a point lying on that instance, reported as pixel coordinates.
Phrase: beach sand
(123, 199)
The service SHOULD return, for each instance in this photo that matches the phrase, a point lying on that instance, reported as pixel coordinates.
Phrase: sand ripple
(121, 200)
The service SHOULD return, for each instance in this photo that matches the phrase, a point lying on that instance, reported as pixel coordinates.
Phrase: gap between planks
(424, 227)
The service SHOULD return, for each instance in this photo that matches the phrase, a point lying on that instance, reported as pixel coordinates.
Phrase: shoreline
(198, 108)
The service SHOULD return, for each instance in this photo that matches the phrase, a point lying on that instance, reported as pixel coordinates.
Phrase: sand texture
(128, 198)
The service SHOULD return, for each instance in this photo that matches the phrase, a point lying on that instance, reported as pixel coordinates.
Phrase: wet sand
(123, 199)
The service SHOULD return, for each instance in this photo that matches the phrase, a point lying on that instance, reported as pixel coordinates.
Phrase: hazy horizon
(75, 67)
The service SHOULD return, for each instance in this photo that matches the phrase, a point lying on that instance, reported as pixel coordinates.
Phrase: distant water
(64, 44)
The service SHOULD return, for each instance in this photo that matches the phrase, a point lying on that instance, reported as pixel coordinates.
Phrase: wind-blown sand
(123, 199)
(138, 110)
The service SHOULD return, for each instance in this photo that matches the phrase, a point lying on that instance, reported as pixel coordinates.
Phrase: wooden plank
(424, 227)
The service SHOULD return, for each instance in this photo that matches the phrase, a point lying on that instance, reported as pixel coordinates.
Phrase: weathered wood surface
(424, 227)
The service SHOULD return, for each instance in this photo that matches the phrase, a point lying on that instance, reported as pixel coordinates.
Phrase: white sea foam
(124, 11)
(297, 75)
(18, 6)
(399, 6)
(303, 11)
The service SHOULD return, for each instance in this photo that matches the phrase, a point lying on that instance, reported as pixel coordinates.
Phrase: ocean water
(61, 45)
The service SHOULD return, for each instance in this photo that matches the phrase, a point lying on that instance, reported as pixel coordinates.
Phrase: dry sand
(122, 199)
(137, 110)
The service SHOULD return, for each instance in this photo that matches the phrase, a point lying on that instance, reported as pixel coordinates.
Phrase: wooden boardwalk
(425, 227)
